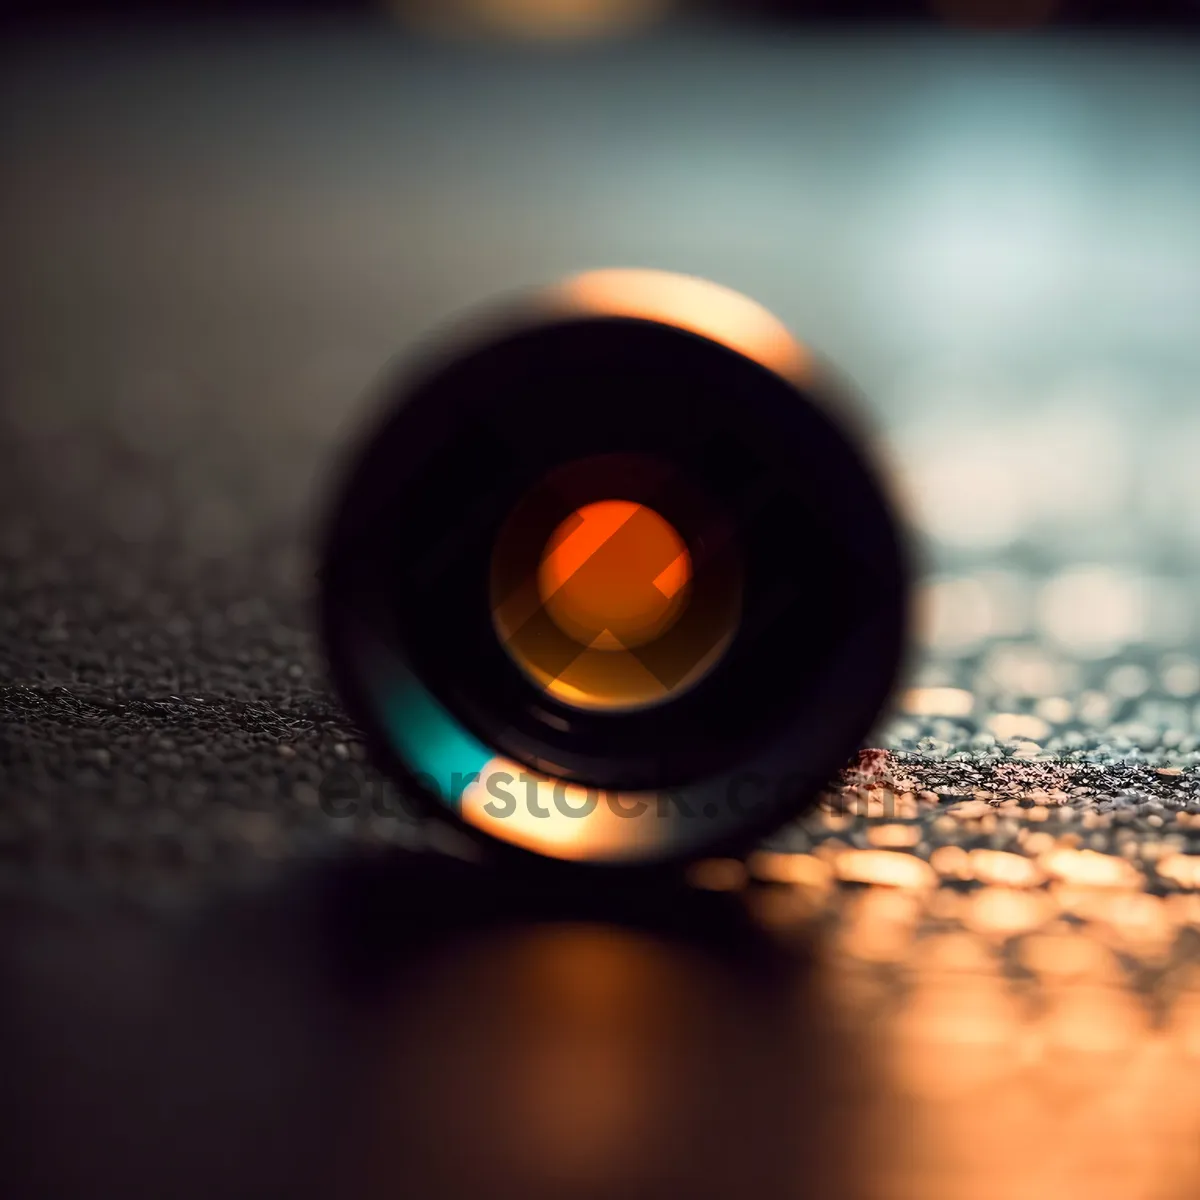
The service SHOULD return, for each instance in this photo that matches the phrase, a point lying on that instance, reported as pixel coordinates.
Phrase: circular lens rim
(405, 394)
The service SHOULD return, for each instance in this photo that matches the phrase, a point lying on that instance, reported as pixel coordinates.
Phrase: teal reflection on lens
(430, 740)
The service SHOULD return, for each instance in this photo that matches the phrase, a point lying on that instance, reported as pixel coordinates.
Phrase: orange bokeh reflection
(548, 20)
(1038, 1031)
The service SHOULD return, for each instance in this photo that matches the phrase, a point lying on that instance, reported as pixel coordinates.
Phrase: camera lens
(614, 582)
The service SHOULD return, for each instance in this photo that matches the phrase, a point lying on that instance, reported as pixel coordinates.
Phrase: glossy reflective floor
(862, 1025)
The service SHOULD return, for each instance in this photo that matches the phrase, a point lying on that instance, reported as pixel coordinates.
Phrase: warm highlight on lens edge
(696, 305)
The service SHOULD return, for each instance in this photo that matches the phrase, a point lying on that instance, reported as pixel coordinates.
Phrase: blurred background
(219, 223)
(984, 212)
(554, 18)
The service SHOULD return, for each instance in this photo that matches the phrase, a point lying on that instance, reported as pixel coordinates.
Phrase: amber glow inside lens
(607, 603)
(614, 575)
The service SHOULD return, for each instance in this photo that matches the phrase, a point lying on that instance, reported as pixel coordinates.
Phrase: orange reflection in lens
(608, 613)
(627, 601)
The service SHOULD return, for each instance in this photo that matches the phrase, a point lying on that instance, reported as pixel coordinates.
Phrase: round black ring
(404, 580)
